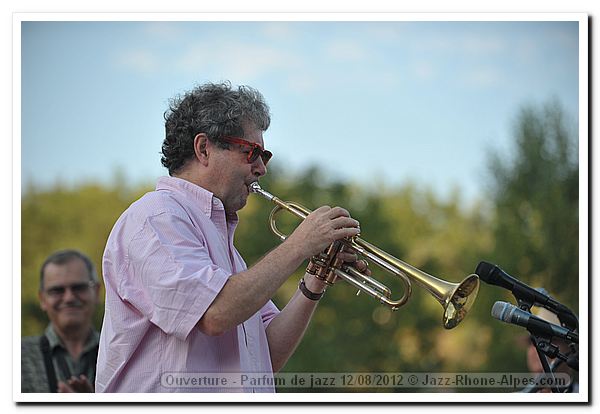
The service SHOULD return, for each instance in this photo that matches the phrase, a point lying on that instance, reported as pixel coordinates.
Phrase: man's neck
(191, 174)
(194, 175)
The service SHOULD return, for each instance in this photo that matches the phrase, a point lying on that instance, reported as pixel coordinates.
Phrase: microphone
(493, 275)
(511, 314)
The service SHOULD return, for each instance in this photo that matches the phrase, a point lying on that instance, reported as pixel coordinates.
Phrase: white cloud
(164, 31)
(279, 31)
(217, 57)
(424, 70)
(142, 61)
(386, 33)
(565, 38)
(346, 50)
(483, 77)
(482, 45)
(244, 60)
(460, 43)
(301, 83)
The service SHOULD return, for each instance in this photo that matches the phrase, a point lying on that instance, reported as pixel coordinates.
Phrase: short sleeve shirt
(166, 259)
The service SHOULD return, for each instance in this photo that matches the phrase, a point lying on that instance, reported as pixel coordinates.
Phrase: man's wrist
(311, 288)
(314, 284)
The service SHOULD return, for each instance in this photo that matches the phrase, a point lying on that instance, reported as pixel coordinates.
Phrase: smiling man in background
(63, 359)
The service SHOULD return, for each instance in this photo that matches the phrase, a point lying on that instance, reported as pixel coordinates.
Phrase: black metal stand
(545, 349)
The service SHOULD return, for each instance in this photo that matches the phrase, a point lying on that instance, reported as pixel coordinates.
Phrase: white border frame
(584, 171)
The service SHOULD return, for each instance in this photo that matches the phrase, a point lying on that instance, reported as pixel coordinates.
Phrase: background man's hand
(74, 384)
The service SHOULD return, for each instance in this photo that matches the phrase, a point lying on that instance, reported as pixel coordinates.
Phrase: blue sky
(373, 102)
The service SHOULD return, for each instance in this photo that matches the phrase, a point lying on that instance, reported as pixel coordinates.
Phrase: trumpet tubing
(456, 298)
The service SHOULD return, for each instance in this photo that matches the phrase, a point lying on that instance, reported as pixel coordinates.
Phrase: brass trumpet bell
(456, 298)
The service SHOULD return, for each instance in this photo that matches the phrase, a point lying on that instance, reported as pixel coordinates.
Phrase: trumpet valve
(319, 269)
(330, 278)
(312, 268)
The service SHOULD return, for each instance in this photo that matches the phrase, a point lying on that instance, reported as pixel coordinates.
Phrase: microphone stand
(545, 348)
(542, 346)
(530, 388)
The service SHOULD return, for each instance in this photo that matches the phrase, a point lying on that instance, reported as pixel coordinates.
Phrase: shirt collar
(55, 341)
(202, 198)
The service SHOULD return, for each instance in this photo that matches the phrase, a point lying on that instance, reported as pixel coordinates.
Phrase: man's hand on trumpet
(350, 259)
(317, 285)
(320, 228)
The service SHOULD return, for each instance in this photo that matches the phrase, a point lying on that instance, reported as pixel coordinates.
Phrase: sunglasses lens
(266, 156)
(257, 152)
(56, 291)
(80, 288)
(254, 154)
(77, 289)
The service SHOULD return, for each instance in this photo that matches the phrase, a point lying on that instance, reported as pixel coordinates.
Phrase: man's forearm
(286, 330)
(246, 292)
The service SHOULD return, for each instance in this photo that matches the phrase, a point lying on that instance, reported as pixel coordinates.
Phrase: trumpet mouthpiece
(255, 188)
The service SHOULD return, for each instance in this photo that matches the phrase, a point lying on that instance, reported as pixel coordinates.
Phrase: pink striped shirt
(166, 259)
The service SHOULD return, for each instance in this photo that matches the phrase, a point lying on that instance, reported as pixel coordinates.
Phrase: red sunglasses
(255, 152)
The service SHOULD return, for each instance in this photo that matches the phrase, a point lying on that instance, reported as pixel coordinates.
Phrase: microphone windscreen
(484, 271)
(502, 311)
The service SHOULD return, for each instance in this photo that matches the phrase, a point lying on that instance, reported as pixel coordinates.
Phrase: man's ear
(42, 301)
(200, 148)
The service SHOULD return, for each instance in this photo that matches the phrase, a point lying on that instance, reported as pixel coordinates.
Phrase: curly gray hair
(216, 110)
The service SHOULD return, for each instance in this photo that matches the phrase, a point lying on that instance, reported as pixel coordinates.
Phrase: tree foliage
(535, 194)
(536, 198)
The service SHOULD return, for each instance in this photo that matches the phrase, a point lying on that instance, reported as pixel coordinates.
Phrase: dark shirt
(33, 370)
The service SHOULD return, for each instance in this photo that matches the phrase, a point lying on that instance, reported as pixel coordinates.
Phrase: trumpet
(456, 298)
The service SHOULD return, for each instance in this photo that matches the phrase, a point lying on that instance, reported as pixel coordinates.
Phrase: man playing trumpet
(179, 297)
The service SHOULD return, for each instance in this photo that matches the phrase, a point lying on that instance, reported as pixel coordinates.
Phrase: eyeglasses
(255, 152)
(78, 289)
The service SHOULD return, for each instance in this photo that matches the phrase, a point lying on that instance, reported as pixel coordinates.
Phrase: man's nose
(259, 168)
(69, 295)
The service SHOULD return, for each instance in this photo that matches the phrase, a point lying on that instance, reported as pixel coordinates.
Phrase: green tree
(536, 220)
(59, 218)
(536, 197)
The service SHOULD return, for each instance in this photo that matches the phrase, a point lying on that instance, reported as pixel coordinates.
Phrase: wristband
(310, 295)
